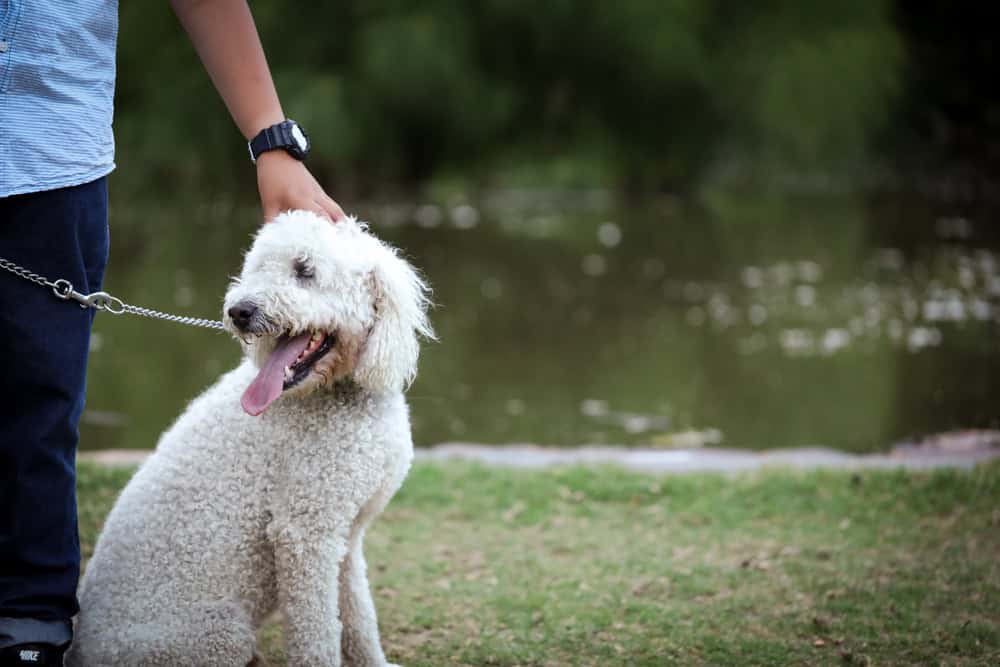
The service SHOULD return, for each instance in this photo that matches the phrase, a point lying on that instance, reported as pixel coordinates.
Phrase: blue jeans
(44, 341)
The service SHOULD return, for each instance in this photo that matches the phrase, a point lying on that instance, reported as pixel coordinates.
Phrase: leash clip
(63, 289)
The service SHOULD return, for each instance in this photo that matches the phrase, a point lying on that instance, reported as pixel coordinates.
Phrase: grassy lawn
(482, 566)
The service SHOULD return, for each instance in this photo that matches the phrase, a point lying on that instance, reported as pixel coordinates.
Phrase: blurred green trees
(646, 93)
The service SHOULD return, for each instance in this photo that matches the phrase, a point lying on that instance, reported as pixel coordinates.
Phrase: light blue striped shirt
(57, 87)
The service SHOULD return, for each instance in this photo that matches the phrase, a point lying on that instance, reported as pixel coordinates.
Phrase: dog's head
(319, 302)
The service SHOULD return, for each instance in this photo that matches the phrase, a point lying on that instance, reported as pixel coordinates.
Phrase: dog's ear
(388, 359)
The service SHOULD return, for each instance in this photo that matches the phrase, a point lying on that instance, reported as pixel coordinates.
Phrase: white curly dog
(242, 511)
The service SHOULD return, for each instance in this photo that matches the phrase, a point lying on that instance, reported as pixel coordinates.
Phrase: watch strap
(269, 139)
(287, 135)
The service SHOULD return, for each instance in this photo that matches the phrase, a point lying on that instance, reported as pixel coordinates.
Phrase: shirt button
(4, 46)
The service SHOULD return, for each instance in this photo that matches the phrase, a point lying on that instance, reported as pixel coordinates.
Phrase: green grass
(484, 566)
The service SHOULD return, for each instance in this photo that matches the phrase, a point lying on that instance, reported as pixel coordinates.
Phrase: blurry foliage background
(647, 222)
(648, 94)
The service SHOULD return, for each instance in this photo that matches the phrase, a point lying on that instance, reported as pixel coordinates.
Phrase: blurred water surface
(751, 319)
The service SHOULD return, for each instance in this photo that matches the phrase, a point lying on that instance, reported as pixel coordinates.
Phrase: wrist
(275, 157)
(262, 121)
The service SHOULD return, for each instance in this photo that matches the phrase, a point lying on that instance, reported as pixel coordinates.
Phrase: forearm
(225, 37)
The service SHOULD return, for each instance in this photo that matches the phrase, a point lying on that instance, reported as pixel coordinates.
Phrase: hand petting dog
(285, 184)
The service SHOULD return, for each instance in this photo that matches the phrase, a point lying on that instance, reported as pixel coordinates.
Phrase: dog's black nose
(242, 313)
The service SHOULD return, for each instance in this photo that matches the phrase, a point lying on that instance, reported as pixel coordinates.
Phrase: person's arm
(225, 37)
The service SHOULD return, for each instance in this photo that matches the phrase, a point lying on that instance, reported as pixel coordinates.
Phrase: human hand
(285, 183)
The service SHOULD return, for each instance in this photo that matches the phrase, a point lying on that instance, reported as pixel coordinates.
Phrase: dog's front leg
(362, 647)
(308, 572)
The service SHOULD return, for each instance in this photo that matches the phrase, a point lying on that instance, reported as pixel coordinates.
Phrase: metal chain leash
(180, 319)
(24, 273)
(103, 301)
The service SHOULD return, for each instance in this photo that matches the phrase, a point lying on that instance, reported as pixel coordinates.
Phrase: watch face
(300, 138)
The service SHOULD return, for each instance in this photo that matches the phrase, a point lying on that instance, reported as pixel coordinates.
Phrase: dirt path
(917, 456)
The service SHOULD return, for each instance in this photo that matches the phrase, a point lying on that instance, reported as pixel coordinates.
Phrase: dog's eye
(303, 269)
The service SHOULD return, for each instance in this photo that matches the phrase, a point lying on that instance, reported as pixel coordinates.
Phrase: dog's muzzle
(245, 316)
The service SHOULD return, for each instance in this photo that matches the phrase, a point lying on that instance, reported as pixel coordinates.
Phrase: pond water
(747, 319)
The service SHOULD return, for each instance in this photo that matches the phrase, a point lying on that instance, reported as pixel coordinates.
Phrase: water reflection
(565, 319)
(903, 302)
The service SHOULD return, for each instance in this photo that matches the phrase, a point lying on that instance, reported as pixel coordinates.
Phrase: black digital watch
(286, 135)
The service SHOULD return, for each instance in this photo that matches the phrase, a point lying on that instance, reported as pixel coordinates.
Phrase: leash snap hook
(104, 301)
(63, 289)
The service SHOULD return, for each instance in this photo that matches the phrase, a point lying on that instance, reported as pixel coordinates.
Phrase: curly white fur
(236, 516)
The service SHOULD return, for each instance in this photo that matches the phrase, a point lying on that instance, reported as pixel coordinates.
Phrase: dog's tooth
(288, 372)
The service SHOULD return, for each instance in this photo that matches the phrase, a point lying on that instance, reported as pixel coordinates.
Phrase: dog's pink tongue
(267, 385)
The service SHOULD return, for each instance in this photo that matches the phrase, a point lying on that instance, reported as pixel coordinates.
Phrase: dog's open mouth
(291, 361)
(319, 344)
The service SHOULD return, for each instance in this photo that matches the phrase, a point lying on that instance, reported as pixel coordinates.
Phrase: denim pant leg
(44, 341)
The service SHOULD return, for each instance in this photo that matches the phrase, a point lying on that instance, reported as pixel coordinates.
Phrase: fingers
(285, 187)
(316, 208)
(330, 208)
(327, 209)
